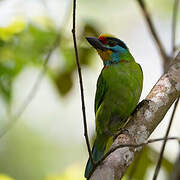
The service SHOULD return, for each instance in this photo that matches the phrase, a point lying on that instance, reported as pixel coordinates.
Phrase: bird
(118, 91)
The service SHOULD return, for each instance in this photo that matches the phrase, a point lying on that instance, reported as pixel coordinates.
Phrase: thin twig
(129, 145)
(164, 143)
(153, 32)
(177, 47)
(33, 91)
(81, 83)
(174, 24)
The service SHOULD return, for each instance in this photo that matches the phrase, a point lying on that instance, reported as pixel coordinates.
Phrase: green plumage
(118, 91)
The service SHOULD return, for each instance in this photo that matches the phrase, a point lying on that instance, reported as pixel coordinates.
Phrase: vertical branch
(174, 23)
(80, 82)
(164, 143)
(154, 33)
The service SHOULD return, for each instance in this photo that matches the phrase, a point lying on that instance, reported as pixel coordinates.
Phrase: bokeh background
(47, 142)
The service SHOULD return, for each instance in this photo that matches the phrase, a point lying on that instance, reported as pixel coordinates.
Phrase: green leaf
(85, 55)
(64, 82)
(7, 72)
(28, 47)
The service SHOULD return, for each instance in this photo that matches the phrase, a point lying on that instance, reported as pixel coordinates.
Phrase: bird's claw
(142, 103)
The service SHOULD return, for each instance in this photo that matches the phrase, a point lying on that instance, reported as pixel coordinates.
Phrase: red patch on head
(104, 67)
(102, 39)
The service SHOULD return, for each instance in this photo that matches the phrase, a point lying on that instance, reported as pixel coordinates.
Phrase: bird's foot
(142, 103)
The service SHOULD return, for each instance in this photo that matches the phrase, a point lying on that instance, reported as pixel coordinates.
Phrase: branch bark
(141, 124)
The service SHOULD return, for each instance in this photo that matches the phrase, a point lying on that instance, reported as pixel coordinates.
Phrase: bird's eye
(111, 43)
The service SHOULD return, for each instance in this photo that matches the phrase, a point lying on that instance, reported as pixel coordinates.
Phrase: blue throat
(110, 62)
(117, 55)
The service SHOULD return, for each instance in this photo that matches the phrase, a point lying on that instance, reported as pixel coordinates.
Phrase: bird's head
(108, 47)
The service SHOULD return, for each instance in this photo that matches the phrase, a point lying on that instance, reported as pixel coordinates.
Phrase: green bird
(118, 91)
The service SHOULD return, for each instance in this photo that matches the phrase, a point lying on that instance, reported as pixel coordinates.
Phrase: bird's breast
(124, 86)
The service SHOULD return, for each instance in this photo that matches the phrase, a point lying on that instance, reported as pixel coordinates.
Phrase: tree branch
(130, 145)
(174, 24)
(141, 124)
(152, 29)
(177, 47)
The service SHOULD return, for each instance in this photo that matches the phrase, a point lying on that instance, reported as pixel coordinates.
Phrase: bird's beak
(96, 43)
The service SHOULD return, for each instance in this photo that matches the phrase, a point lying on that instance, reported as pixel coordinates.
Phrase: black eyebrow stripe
(121, 43)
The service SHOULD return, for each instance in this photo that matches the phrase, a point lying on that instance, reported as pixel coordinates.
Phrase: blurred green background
(47, 142)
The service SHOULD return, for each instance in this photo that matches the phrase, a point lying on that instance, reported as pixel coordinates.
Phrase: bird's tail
(97, 152)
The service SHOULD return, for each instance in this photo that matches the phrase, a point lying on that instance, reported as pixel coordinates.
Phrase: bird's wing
(140, 68)
(142, 73)
(100, 91)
